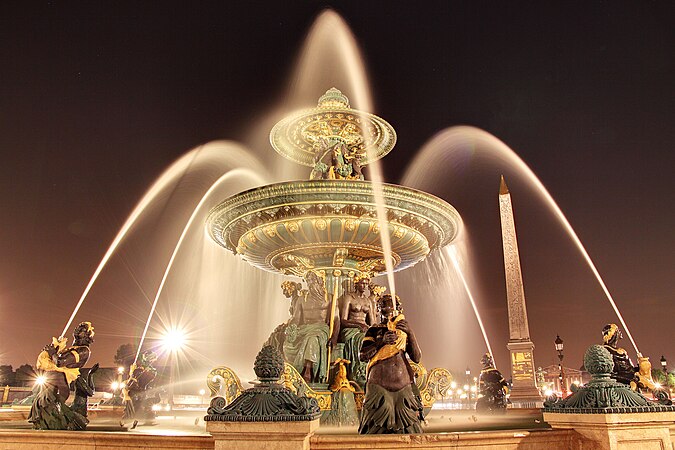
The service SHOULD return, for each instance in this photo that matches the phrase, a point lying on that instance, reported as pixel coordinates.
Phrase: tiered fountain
(329, 224)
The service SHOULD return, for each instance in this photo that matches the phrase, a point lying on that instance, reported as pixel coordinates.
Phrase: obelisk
(524, 392)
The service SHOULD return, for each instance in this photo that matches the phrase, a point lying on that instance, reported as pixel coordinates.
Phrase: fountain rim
(299, 156)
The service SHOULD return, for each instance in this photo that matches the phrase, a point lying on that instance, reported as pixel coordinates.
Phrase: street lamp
(466, 387)
(559, 349)
(664, 365)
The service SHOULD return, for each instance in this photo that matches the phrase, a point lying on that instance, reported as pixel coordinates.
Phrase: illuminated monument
(524, 392)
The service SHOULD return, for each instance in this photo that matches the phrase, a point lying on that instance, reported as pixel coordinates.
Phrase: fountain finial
(333, 98)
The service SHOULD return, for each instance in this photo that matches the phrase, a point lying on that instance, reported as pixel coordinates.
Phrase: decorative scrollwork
(224, 378)
(437, 385)
(293, 381)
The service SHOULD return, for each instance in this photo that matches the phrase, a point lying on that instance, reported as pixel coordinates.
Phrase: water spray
(176, 169)
(452, 253)
(225, 177)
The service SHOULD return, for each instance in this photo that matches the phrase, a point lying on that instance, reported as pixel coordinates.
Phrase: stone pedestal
(624, 431)
(262, 435)
(524, 392)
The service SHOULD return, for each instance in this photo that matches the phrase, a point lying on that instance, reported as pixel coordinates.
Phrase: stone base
(524, 392)
(624, 431)
(86, 440)
(262, 435)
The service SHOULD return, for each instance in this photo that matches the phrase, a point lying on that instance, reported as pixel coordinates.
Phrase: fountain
(329, 226)
(331, 231)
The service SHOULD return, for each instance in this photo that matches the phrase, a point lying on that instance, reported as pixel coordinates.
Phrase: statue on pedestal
(639, 377)
(137, 401)
(307, 334)
(392, 404)
(60, 366)
(492, 387)
(356, 316)
(624, 370)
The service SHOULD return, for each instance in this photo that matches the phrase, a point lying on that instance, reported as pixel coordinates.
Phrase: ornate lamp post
(559, 349)
(664, 366)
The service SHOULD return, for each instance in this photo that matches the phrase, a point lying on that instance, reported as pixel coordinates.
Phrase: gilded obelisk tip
(503, 188)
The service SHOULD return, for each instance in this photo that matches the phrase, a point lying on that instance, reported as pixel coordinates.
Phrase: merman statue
(307, 334)
(392, 404)
(60, 366)
(137, 401)
(491, 386)
(624, 370)
(356, 316)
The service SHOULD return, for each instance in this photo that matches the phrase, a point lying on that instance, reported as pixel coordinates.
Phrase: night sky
(97, 99)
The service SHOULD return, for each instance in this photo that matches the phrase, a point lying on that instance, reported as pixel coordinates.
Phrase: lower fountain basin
(294, 226)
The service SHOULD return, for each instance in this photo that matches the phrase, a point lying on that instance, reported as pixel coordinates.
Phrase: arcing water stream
(198, 209)
(440, 151)
(451, 252)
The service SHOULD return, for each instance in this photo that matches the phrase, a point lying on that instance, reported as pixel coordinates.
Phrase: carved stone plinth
(262, 435)
(524, 393)
(609, 414)
(646, 430)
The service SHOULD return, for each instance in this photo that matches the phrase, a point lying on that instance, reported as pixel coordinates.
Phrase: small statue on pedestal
(624, 370)
(639, 377)
(392, 404)
(137, 402)
(60, 366)
(492, 387)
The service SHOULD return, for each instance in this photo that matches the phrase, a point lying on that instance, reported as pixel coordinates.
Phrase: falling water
(451, 252)
(228, 176)
(441, 149)
(330, 36)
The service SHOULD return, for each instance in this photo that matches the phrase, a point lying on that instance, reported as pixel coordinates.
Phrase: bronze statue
(356, 316)
(334, 160)
(60, 366)
(293, 291)
(624, 370)
(307, 334)
(137, 401)
(392, 404)
(639, 377)
(491, 386)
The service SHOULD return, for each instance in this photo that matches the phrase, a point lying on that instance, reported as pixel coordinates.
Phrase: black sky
(97, 99)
